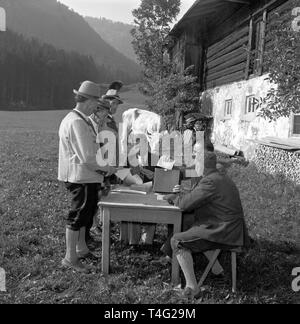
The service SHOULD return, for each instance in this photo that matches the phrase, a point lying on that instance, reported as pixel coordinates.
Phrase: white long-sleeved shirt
(77, 151)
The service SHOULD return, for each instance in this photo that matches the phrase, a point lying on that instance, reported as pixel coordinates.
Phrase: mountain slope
(116, 34)
(53, 23)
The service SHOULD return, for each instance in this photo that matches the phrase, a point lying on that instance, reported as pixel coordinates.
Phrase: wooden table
(119, 207)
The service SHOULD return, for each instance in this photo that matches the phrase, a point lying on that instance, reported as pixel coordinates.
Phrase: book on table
(165, 180)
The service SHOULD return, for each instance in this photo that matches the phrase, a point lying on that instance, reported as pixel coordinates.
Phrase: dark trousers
(83, 205)
(191, 240)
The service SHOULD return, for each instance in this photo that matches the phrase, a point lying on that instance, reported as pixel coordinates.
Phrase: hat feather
(116, 85)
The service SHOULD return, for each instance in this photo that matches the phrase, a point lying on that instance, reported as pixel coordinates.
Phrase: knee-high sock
(217, 268)
(81, 244)
(71, 241)
(185, 260)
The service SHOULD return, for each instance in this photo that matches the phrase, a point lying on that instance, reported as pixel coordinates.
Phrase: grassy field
(32, 209)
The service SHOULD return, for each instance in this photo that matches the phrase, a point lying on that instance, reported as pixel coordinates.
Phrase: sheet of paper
(160, 197)
(128, 191)
(165, 163)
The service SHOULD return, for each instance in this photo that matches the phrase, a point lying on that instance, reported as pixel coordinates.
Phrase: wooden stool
(233, 266)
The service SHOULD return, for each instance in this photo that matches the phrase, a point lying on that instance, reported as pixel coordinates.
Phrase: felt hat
(112, 92)
(89, 90)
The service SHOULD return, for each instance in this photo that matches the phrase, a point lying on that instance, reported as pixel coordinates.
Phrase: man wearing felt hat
(112, 92)
(79, 170)
(113, 97)
(99, 118)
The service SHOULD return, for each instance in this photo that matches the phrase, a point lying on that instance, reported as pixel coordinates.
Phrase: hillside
(54, 23)
(38, 76)
(116, 34)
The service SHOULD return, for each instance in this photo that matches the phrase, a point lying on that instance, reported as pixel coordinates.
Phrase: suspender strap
(88, 123)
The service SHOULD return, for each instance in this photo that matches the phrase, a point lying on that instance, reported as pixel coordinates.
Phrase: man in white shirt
(78, 168)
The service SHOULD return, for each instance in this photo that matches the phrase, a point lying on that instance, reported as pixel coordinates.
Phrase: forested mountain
(116, 34)
(34, 75)
(52, 22)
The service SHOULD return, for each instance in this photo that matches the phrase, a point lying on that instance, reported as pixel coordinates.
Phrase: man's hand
(111, 170)
(170, 198)
(107, 171)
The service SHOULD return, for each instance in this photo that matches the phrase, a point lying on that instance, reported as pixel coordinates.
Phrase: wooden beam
(240, 52)
(239, 43)
(227, 41)
(234, 77)
(226, 64)
(224, 72)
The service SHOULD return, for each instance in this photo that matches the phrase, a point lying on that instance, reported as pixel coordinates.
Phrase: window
(296, 125)
(228, 108)
(251, 105)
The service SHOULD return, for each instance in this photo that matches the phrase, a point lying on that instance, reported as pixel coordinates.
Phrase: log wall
(226, 59)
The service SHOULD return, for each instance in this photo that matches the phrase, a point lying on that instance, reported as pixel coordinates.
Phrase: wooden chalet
(219, 38)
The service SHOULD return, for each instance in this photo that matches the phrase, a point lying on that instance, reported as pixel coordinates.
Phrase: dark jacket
(217, 209)
(111, 123)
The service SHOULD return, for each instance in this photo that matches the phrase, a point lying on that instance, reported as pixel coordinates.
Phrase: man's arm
(199, 196)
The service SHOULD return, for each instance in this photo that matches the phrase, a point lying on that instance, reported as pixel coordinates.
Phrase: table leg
(100, 215)
(106, 241)
(175, 264)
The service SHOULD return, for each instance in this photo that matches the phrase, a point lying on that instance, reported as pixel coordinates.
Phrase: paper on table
(145, 187)
(160, 197)
(165, 163)
(122, 190)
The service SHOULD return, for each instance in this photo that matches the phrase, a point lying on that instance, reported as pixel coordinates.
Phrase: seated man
(213, 218)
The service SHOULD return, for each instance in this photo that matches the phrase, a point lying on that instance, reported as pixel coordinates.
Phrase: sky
(116, 10)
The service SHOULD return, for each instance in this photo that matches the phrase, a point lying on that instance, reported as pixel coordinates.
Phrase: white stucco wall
(239, 130)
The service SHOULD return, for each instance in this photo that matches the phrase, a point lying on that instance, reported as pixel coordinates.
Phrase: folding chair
(233, 266)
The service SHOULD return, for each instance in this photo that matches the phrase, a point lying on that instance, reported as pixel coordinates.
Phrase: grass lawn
(32, 209)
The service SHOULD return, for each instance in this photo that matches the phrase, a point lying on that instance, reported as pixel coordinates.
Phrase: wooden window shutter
(262, 43)
(249, 49)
